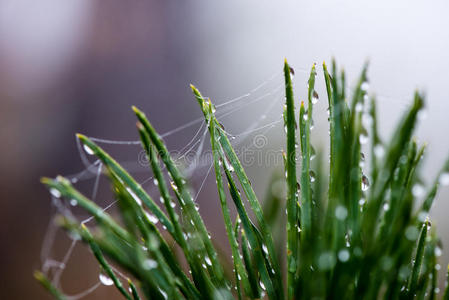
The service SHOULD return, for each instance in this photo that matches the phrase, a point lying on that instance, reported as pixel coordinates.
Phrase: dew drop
(73, 202)
(153, 219)
(365, 86)
(208, 261)
(341, 212)
(359, 107)
(386, 206)
(149, 264)
(343, 255)
(262, 286)
(444, 178)
(312, 152)
(367, 120)
(292, 71)
(411, 233)
(363, 138)
(438, 251)
(306, 116)
(365, 183)
(55, 193)
(312, 124)
(137, 199)
(264, 249)
(379, 151)
(312, 176)
(418, 190)
(88, 150)
(315, 97)
(156, 182)
(422, 216)
(105, 280)
(422, 115)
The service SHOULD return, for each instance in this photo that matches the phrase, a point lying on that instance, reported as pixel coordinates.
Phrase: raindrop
(359, 107)
(362, 201)
(292, 71)
(262, 286)
(386, 206)
(153, 219)
(149, 264)
(312, 176)
(341, 212)
(422, 115)
(365, 183)
(88, 150)
(422, 216)
(105, 280)
(264, 249)
(379, 151)
(362, 156)
(326, 261)
(137, 199)
(312, 152)
(208, 261)
(73, 202)
(305, 116)
(55, 193)
(365, 86)
(156, 182)
(363, 138)
(438, 251)
(418, 190)
(411, 233)
(343, 255)
(444, 178)
(312, 124)
(367, 120)
(315, 97)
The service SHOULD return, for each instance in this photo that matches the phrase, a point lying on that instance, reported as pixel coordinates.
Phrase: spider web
(194, 157)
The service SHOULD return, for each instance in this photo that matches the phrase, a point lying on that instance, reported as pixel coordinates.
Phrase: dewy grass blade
(217, 156)
(249, 192)
(346, 242)
(133, 290)
(43, 280)
(255, 243)
(182, 189)
(413, 281)
(292, 189)
(104, 264)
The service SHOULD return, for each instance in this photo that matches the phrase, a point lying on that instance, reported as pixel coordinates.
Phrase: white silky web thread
(269, 93)
(92, 171)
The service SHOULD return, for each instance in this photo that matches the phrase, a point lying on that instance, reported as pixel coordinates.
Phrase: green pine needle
(354, 232)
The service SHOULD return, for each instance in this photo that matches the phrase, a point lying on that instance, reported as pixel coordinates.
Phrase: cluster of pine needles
(349, 235)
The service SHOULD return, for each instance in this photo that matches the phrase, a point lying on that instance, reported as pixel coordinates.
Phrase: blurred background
(77, 66)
